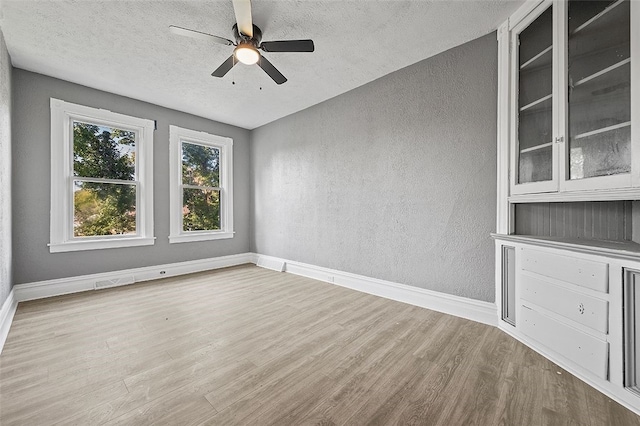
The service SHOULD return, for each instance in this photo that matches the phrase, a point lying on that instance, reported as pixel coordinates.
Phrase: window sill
(100, 244)
(197, 236)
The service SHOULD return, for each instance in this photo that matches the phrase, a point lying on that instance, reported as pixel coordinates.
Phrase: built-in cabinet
(572, 98)
(578, 304)
(568, 215)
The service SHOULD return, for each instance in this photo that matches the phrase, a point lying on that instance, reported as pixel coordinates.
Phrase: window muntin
(201, 186)
(101, 179)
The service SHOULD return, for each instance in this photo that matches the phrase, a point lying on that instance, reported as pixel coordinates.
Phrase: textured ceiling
(125, 47)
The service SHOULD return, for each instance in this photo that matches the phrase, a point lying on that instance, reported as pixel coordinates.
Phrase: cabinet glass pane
(599, 88)
(535, 53)
(535, 166)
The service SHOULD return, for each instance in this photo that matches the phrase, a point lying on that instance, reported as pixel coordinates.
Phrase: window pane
(103, 209)
(200, 210)
(535, 126)
(601, 154)
(103, 152)
(535, 100)
(599, 88)
(535, 165)
(200, 165)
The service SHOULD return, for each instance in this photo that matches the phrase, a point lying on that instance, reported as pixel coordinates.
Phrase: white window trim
(225, 145)
(61, 218)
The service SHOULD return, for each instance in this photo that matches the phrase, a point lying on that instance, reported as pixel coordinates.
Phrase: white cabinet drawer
(580, 348)
(582, 272)
(586, 310)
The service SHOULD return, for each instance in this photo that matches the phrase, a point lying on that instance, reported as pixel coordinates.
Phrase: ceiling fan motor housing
(242, 38)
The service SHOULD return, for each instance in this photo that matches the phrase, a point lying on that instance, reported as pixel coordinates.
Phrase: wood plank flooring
(250, 346)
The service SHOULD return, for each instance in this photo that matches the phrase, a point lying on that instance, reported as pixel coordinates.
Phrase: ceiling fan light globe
(246, 54)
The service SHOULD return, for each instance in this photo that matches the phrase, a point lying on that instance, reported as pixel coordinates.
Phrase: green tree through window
(104, 189)
(201, 187)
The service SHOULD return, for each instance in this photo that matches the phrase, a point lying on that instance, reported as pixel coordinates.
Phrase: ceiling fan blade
(288, 46)
(225, 67)
(242, 8)
(271, 70)
(197, 34)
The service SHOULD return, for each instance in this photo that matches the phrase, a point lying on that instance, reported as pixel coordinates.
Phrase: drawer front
(586, 310)
(588, 352)
(585, 273)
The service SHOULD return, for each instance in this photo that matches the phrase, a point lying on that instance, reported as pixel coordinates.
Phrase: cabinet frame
(635, 94)
(560, 188)
(601, 188)
(599, 182)
(543, 186)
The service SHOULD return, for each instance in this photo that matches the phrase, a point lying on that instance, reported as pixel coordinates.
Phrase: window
(201, 195)
(101, 179)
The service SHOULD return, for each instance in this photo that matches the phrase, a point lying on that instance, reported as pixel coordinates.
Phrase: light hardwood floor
(246, 345)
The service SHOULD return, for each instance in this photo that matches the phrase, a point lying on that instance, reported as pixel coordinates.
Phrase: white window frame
(176, 136)
(61, 219)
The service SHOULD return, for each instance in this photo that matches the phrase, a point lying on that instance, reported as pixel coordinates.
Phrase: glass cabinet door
(534, 153)
(599, 92)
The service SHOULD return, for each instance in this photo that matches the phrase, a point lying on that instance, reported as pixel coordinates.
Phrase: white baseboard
(57, 287)
(475, 310)
(471, 309)
(272, 263)
(479, 311)
(6, 317)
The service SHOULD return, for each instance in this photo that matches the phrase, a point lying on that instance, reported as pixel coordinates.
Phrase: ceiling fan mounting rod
(242, 38)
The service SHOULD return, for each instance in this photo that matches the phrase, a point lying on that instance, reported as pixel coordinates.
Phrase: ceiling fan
(248, 39)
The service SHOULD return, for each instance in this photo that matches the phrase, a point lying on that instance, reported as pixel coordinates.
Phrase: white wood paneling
(602, 220)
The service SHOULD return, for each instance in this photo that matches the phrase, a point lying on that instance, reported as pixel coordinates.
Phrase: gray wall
(5, 172)
(31, 175)
(393, 180)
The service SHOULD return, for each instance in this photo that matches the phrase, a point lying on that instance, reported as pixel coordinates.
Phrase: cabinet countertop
(619, 249)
